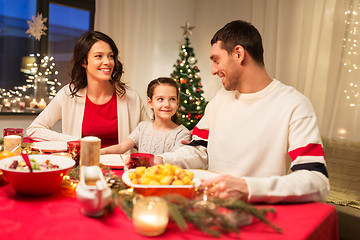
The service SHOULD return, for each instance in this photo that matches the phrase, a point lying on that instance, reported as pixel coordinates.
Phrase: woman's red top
(101, 121)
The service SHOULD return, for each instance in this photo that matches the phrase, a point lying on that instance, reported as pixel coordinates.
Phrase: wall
(149, 35)
(149, 41)
(210, 16)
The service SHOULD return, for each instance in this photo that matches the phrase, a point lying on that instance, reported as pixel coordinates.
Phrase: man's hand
(185, 142)
(227, 186)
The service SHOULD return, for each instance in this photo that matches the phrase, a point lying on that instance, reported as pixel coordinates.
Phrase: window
(33, 69)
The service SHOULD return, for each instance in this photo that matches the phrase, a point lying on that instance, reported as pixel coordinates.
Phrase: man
(250, 127)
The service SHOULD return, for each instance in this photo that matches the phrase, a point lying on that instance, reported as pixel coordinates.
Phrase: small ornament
(37, 26)
(198, 116)
(192, 60)
(183, 80)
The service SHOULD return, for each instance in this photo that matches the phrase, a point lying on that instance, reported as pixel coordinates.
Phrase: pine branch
(214, 216)
(176, 216)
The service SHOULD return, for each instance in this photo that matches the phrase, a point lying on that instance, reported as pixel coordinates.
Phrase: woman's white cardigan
(130, 111)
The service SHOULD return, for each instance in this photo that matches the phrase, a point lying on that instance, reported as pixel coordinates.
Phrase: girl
(96, 102)
(163, 134)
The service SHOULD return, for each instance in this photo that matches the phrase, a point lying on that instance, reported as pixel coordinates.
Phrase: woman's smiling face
(100, 62)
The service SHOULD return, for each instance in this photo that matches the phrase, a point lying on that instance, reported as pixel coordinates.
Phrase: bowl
(160, 190)
(36, 182)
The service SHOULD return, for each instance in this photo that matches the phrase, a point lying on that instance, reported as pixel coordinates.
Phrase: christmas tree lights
(187, 75)
(41, 84)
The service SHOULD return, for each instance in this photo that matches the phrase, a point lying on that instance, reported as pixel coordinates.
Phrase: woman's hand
(227, 186)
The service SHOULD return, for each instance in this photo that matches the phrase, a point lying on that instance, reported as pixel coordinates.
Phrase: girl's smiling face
(164, 101)
(100, 62)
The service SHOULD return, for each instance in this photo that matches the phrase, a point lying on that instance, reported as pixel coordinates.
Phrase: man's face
(226, 66)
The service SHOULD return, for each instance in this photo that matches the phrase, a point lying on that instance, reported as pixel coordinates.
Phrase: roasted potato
(162, 174)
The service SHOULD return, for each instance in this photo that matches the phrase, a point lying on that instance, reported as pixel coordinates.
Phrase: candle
(22, 105)
(68, 186)
(150, 216)
(33, 103)
(90, 151)
(42, 104)
(7, 105)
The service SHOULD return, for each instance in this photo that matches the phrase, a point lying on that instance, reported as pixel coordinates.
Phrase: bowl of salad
(45, 178)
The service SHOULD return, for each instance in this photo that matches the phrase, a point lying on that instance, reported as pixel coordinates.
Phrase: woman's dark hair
(241, 33)
(81, 50)
(163, 81)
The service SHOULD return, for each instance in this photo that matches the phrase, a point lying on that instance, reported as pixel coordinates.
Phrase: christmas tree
(187, 76)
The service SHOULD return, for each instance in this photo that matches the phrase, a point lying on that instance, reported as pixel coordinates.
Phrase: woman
(96, 102)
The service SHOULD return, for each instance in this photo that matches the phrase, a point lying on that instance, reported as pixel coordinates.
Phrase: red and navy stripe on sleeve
(200, 137)
(311, 149)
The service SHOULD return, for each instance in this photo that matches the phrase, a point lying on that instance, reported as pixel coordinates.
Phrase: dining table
(59, 216)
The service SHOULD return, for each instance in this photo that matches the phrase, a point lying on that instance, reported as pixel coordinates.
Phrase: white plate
(198, 175)
(50, 146)
(113, 160)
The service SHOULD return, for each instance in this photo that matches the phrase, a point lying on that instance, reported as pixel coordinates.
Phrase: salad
(36, 166)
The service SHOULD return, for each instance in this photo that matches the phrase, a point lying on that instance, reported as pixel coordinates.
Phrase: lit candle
(22, 105)
(33, 103)
(150, 216)
(42, 104)
(7, 104)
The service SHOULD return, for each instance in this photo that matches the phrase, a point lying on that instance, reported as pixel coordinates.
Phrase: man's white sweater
(251, 136)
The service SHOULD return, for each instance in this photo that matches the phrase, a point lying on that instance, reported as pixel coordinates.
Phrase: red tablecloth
(59, 217)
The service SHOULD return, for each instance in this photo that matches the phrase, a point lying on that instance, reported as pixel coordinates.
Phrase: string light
(35, 73)
(351, 57)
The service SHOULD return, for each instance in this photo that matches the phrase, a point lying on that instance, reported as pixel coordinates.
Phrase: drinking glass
(11, 142)
(141, 159)
(73, 147)
(13, 131)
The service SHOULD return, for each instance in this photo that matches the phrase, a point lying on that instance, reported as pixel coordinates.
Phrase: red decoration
(183, 80)
(199, 116)
(189, 116)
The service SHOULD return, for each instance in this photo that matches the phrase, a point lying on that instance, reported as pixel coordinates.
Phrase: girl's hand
(158, 160)
(185, 142)
(127, 161)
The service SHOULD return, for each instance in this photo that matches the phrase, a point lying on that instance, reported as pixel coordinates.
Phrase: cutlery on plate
(25, 156)
(125, 167)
